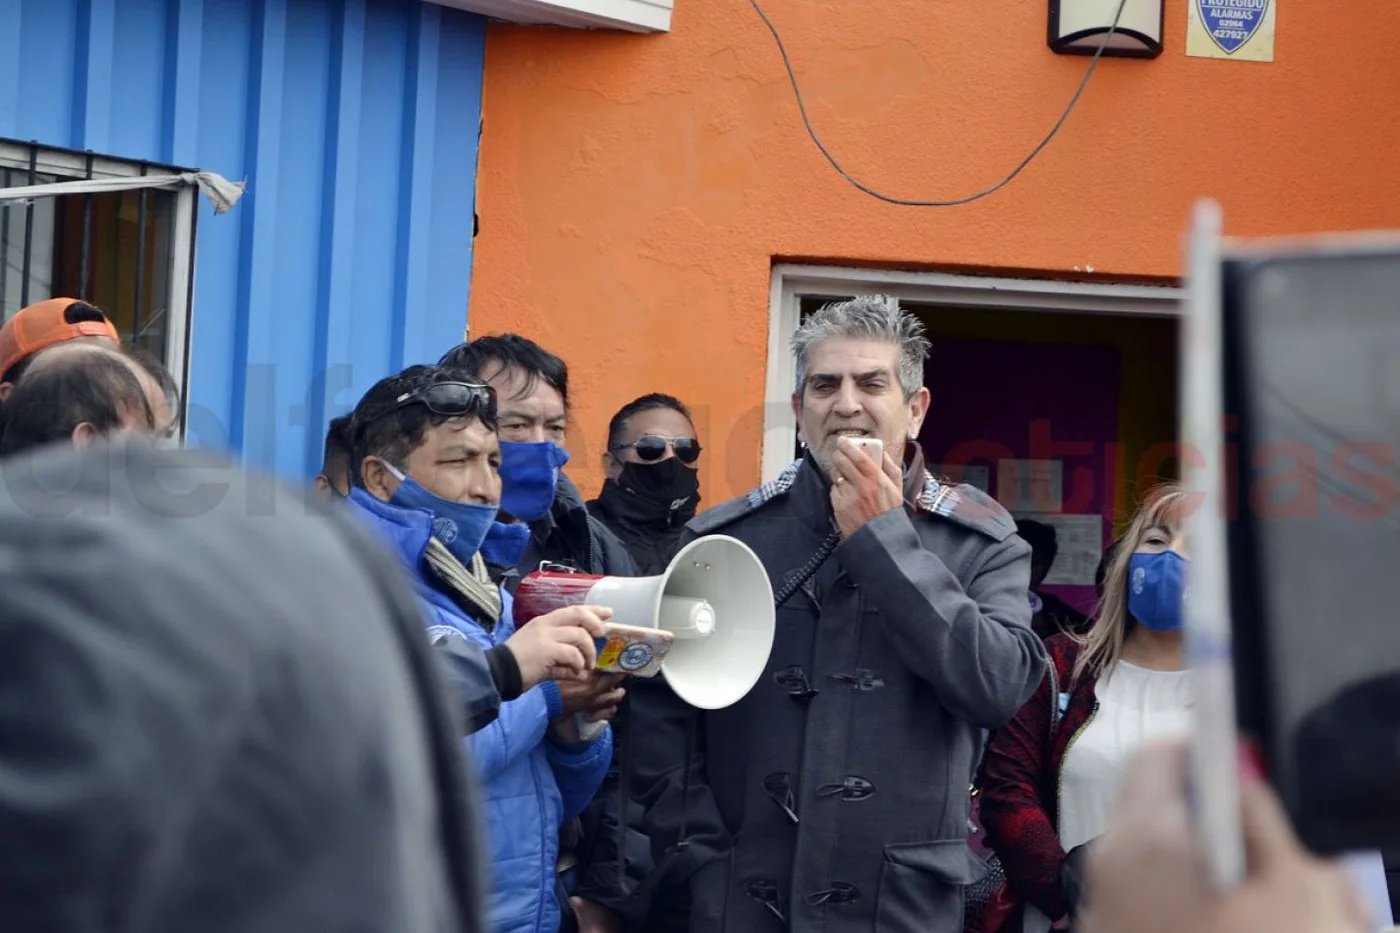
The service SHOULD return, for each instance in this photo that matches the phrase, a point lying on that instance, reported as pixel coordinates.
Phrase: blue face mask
(1157, 590)
(529, 476)
(505, 544)
(460, 526)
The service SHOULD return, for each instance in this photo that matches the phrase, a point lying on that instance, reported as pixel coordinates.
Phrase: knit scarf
(471, 586)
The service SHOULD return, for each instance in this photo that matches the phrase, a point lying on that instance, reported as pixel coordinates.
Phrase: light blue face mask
(529, 477)
(460, 526)
(1157, 590)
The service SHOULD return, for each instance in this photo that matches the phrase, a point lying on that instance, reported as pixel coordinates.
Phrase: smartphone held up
(872, 447)
(1289, 356)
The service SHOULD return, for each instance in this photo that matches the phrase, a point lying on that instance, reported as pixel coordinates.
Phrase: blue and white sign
(1232, 29)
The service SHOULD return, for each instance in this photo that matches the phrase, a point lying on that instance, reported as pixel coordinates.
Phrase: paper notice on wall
(1080, 542)
(973, 474)
(1031, 485)
(1239, 29)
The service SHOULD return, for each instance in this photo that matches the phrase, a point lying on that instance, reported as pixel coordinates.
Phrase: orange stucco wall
(634, 191)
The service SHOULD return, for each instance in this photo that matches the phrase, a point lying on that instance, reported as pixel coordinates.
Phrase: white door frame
(792, 282)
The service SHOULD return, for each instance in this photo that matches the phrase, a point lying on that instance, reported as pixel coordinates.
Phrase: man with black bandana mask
(653, 484)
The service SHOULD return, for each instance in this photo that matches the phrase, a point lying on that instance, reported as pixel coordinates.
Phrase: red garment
(1020, 784)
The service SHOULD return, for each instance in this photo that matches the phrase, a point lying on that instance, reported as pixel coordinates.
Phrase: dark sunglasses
(448, 399)
(652, 447)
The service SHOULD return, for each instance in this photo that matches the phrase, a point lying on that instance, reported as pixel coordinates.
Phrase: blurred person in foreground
(1148, 875)
(653, 479)
(834, 796)
(532, 391)
(185, 744)
(75, 393)
(424, 468)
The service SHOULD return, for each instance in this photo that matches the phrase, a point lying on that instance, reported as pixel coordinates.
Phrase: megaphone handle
(588, 731)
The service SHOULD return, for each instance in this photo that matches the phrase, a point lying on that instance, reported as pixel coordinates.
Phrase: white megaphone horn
(715, 600)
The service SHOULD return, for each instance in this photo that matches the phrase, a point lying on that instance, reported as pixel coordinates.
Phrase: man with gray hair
(834, 796)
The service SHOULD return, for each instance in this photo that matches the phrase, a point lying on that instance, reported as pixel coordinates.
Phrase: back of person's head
(46, 324)
(162, 389)
(1045, 545)
(393, 417)
(487, 357)
(335, 459)
(185, 749)
(74, 394)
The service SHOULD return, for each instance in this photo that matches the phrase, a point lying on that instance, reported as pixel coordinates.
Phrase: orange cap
(44, 324)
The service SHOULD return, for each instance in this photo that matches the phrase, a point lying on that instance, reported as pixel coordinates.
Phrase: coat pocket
(922, 885)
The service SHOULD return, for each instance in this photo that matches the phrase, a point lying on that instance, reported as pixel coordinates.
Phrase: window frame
(793, 282)
(72, 165)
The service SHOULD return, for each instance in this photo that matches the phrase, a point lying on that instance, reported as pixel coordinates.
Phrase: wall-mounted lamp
(1077, 27)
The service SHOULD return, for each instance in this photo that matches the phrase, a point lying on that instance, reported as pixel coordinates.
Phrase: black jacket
(1057, 616)
(834, 796)
(220, 712)
(568, 535)
(651, 541)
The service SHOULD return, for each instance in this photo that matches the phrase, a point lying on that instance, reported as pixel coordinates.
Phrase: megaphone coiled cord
(794, 583)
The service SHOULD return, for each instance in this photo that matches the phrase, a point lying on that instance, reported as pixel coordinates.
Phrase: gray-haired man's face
(852, 389)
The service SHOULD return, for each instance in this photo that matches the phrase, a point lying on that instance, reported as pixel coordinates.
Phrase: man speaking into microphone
(835, 795)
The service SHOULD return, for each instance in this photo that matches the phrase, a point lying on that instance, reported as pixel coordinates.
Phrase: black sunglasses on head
(652, 447)
(448, 399)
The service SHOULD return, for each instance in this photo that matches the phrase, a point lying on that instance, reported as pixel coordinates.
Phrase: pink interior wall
(1012, 399)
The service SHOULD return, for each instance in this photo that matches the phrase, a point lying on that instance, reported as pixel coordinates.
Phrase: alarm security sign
(1238, 29)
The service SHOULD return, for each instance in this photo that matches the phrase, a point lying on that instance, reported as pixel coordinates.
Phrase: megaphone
(714, 598)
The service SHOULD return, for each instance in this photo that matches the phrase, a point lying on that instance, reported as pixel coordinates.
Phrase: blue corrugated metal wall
(355, 123)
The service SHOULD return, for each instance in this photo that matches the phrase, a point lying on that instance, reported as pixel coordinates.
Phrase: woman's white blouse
(1135, 705)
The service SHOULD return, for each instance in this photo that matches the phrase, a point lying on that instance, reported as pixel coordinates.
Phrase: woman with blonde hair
(1052, 773)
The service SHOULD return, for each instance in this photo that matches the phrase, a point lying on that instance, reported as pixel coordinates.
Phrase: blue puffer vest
(532, 784)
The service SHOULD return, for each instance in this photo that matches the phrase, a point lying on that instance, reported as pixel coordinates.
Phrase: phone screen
(1315, 549)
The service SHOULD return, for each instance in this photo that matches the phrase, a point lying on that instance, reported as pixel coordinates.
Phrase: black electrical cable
(814, 563)
(953, 202)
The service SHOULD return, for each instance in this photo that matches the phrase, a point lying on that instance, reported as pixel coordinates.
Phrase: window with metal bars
(130, 253)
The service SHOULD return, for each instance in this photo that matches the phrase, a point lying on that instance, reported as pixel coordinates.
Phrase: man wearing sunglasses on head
(653, 484)
(532, 387)
(424, 473)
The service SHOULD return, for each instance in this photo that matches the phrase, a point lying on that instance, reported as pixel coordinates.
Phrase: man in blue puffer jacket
(424, 469)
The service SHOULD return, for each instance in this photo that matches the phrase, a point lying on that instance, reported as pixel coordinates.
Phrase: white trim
(626, 15)
(792, 282)
(779, 425)
(183, 240)
(64, 164)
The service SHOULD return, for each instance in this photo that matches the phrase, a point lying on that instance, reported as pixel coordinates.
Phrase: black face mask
(660, 488)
